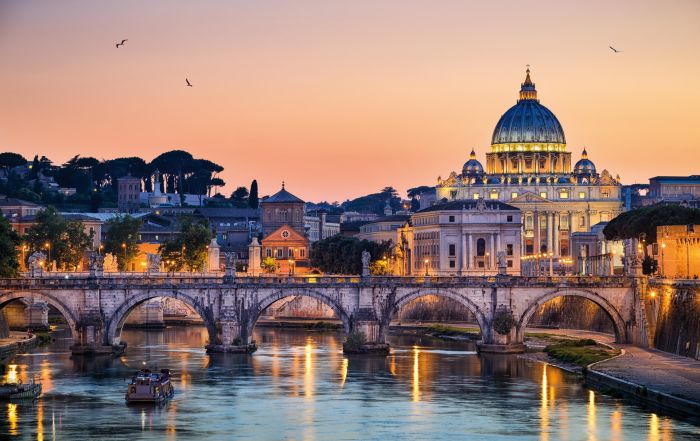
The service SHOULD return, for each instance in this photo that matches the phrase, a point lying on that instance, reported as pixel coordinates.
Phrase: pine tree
(253, 195)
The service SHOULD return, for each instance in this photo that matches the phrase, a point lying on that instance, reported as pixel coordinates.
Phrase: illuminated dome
(584, 166)
(528, 122)
(473, 166)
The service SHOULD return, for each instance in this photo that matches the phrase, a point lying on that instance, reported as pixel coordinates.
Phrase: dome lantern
(527, 89)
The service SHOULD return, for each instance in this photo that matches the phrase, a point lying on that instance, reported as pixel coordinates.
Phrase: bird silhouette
(614, 50)
(122, 43)
(188, 82)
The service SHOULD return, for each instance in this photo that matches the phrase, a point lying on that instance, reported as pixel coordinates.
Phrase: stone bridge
(97, 307)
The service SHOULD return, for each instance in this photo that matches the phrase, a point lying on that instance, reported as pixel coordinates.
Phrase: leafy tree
(643, 221)
(253, 201)
(121, 239)
(64, 241)
(189, 249)
(375, 202)
(269, 265)
(415, 191)
(343, 255)
(9, 241)
(9, 160)
(415, 204)
(240, 197)
(380, 267)
(173, 165)
(649, 265)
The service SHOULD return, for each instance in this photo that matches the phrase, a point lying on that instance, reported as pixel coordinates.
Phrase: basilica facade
(530, 168)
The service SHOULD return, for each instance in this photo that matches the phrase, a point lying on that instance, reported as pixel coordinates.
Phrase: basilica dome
(584, 166)
(528, 121)
(472, 166)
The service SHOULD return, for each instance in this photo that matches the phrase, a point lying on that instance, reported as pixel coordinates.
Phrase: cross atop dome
(527, 89)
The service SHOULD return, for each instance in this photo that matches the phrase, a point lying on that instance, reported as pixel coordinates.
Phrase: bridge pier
(90, 338)
(367, 334)
(232, 337)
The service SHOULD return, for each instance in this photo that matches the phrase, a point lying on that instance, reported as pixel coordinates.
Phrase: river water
(299, 386)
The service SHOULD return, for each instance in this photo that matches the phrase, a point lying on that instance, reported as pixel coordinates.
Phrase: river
(299, 386)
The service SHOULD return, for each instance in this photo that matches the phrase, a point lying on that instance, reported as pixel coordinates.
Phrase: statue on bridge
(230, 266)
(365, 263)
(36, 261)
(501, 260)
(97, 264)
(153, 262)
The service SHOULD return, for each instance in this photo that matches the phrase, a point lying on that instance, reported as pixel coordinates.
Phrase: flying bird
(613, 49)
(188, 82)
(122, 43)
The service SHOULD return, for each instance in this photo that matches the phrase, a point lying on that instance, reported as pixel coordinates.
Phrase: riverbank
(16, 342)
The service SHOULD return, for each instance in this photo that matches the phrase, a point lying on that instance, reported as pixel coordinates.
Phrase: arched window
(480, 247)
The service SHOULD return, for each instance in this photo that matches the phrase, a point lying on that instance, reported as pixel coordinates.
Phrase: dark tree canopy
(375, 202)
(10, 159)
(253, 200)
(632, 224)
(9, 241)
(343, 255)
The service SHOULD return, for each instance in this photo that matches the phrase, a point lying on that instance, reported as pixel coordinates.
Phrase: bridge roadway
(97, 307)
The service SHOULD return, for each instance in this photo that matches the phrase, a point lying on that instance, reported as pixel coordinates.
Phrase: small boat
(150, 387)
(20, 391)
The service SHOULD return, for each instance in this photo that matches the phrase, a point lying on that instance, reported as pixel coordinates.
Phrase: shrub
(355, 341)
(503, 322)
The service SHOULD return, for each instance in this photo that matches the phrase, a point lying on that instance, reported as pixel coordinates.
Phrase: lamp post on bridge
(551, 271)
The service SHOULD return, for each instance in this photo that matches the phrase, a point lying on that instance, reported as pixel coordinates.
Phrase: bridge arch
(460, 298)
(264, 302)
(115, 323)
(610, 310)
(7, 297)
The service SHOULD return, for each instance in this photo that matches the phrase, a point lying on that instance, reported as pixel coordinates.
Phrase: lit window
(494, 195)
(514, 195)
(301, 252)
(563, 194)
(543, 194)
(476, 196)
(582, 195)
(606, 194)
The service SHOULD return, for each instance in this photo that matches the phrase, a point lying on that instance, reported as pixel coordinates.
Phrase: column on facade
(536, 221)
(498, 242)
(550, 218)
(470, 251)
(464, 252)
(557, 234)
(492, 257)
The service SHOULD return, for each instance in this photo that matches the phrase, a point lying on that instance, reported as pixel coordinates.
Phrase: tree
(415, 191)
(239, 197)
(121, 239)
(9, 241)
(343, 255)
(643, 221)
(253, 201)
(189, 249)
(380, 267)
(269, 265)
(9, 160)
(64, 241)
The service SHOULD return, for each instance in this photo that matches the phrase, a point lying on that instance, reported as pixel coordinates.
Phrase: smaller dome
(473, 166)
(584, 166)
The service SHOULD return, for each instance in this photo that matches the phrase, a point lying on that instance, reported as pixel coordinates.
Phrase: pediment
(530, 197)
(285, 233)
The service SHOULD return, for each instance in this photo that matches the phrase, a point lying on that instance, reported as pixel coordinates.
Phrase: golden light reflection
(591, 416)
(40, 421)
(45, 375)
(171, 424)
(392, 365)
(616, 425)
(653, 427)
(143, 420)
(544, 407)
(12, 418)
(308, 370)
(416, 377)
(11, 376)
(343, 371)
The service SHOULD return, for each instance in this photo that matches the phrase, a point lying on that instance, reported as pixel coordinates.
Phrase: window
(509, 249)
(582, 195)
(510, 263)
(480, 247)
(290, 252)
(494, 195)
(452, 263)
(280, 253)
(451, 218)
(509, 218)
(224, 236)
(528, 222)
(268, 252)
(156, 237)
(476, 196)
(453, 249)
(605, 194)
(582, 221)
(564, 194)
(543, 194)
(302, 252)
(453, 194)
(514, 195)
(604, 216)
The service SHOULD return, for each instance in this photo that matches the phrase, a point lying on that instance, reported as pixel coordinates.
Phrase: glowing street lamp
(426, 267)
(663, 245)
(124, 248)
(47, 245)
(551, 272)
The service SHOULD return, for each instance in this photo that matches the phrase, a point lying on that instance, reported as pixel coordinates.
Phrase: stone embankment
(14, 343)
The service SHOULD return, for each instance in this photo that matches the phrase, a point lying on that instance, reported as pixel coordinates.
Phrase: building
(280, 209)
(284, 237)
(592, 254)
(529, 167)
(320, 225)
(469, 237)
(128, 194)
(233, 227)
(383, 229)
(13, 207)
(355, 216)
(677, 251)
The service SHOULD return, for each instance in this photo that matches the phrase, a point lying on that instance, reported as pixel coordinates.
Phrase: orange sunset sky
(342, 98)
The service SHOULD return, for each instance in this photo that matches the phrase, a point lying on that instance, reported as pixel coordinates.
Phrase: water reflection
(299, 385)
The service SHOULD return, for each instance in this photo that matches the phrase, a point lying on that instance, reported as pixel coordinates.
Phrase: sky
(341, 99)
